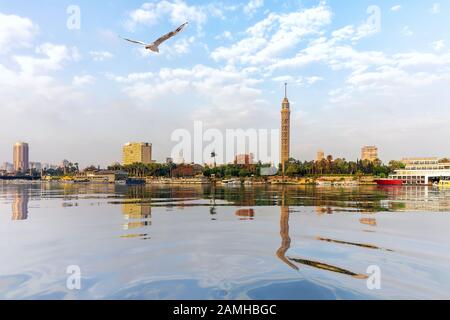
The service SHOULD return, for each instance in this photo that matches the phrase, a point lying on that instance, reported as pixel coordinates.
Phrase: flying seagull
(154, 45)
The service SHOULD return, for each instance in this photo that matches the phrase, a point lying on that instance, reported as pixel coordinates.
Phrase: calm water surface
(200, 242)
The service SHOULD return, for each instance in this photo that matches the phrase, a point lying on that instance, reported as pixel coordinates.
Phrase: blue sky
(81, 94)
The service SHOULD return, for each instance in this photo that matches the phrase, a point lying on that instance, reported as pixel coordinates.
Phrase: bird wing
(135, 41)
(169, 35)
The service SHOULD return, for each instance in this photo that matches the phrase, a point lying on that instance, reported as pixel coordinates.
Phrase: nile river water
(201, 242)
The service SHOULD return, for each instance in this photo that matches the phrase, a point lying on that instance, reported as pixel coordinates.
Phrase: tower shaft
(285, 142)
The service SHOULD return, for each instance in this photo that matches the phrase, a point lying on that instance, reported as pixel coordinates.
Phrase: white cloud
(285, 78)
(43, 94)
(312, 80)
(396, 8)
(344, 33)
(355, 34)
(273, 36)
(269, 40)
(330, 51)
(83, 80)
(252, 6)
(199, 78)
(371, 72)
(27, 84)
(179, 47)
(317, 50)
(299, 81)
(405, 73)
(438, 45)
(213, 95)
(419, 59)
(54, 58)
(436, 8)
(407, 32)
(132, 77)
(35, 93)
(101, 55)
(177, 11)
(387, 78)
(15, 32)
(365, 30)
(224, 35)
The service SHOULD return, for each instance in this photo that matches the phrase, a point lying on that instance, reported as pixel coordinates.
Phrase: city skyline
(352, 84)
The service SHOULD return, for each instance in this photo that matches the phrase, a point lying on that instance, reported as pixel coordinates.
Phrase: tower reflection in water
(286, 244)
(285, 238)
(20, 204)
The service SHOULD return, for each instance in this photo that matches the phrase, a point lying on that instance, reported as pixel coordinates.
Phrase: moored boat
(389, 182)
(134, 182)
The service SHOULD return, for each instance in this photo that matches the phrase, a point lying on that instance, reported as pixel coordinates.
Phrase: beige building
(244, 159)
(21, 157)
(320, 155)
(137, 152)
(285, 131)
(369, 153)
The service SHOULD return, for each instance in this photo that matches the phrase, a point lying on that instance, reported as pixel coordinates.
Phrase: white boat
(232, 182)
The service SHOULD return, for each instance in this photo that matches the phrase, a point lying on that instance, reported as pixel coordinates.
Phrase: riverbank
(275, 180)
(321, 180)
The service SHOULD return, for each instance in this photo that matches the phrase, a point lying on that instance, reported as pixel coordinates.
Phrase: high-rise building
(320, 155)
(137, 152)
(21, 157)
(369, 153)
(285, 130)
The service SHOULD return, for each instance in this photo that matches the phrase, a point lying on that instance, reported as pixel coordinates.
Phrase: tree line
(341, 167)
(294, 168)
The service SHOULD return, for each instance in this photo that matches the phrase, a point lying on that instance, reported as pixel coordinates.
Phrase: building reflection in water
(137, 214)
(324, 210)
(416, 199)
(20, 204)
(368, 221)
(245, 214)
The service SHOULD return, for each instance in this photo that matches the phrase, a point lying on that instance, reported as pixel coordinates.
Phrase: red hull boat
(389, 182)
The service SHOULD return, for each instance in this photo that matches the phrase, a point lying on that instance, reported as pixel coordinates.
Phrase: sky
(359, 73)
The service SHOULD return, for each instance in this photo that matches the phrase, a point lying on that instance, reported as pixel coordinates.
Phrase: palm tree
(213, 155)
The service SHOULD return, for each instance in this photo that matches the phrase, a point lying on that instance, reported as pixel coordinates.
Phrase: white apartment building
(422, 171)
